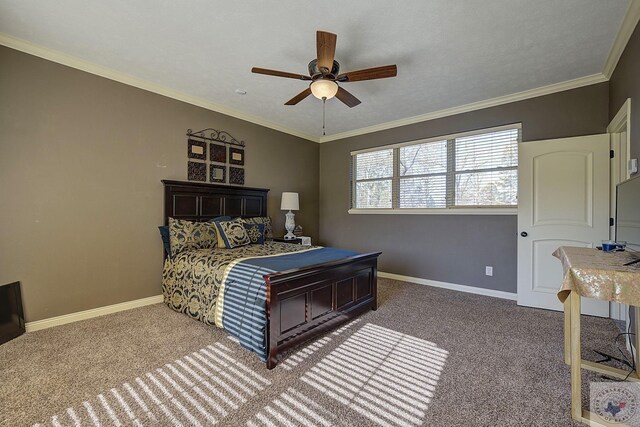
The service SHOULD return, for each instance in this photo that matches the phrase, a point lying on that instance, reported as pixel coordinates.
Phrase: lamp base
(290, 225)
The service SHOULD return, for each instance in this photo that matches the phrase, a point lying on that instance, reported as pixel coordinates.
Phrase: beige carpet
(427, 357)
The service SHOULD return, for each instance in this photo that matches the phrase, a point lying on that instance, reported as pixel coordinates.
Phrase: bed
(306, 290)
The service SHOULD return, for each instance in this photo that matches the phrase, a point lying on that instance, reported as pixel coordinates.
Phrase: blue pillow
(220, 218)
(166, 241)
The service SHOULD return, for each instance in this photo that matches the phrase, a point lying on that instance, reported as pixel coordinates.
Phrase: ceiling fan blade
(369, 74)
(346, 97)
(299, 97)
(326, 49)
(279, 73)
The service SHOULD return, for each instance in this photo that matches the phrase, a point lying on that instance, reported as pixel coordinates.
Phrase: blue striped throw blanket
(242, 300)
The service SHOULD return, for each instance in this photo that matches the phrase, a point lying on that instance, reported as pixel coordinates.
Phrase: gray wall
(450, 248)
(625, 83)
(81, 159)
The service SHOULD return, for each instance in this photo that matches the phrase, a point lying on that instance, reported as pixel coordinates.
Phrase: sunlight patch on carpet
(387, 377)
(198, 389)
(384, 375)
(293, 408)
(299, 356)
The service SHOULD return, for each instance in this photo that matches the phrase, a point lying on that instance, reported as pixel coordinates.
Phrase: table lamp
(290, 203)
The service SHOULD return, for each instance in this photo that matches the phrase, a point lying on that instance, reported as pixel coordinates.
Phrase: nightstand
(296, 241)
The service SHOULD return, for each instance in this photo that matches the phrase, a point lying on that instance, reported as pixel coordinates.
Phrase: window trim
(481, 210)
(438, 138)
(449, 210)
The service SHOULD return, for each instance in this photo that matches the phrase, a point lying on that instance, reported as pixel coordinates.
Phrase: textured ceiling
(449, 52)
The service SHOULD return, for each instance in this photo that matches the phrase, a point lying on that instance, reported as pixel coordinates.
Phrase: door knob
(524, 234)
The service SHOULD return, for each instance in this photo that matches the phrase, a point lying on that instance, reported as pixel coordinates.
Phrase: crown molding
(519, 96)
(99, 70)
(629, 23)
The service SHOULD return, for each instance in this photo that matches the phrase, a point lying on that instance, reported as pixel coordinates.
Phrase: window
(423, 175)
(374, 175)
(471, 170)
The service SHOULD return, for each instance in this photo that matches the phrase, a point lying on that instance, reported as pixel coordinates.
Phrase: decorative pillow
(232, 234)
(166, 240)
(268, 231)
(188, 235)
(255, 232)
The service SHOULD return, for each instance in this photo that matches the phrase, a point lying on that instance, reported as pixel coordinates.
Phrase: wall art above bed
(215, 166)
(197, 171)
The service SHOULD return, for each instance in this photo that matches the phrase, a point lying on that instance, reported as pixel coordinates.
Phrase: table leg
(636, 323)
(576, 380)
(567, 330)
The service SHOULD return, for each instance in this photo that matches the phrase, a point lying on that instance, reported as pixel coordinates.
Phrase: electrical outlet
(488, 270)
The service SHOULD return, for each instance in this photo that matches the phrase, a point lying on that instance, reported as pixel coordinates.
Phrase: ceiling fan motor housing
(315, 71)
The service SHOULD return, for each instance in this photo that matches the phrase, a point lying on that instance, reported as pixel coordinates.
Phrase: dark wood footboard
(304, 303)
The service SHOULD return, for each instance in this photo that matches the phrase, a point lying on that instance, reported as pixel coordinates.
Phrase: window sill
(455, 211)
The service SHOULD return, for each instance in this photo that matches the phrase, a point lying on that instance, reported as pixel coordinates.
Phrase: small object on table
(306, 241)
(298, 231)
(610, 245)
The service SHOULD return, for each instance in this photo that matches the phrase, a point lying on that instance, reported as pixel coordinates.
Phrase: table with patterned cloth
(591, 273)
(599, 275)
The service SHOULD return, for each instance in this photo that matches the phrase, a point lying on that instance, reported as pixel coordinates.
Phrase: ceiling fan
(324, 74)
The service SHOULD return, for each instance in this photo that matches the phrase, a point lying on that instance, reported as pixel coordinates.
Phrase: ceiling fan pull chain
(324, 104)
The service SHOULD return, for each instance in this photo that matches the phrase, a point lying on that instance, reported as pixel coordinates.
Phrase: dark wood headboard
(195, 201)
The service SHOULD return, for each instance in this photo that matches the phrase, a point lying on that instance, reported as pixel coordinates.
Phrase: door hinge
(611, 154)
(611, 222)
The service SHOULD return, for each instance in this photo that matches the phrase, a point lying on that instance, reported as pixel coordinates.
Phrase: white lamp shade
(324, 89)
(289, 202)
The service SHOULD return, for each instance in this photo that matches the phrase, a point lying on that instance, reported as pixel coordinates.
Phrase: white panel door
(563, 200)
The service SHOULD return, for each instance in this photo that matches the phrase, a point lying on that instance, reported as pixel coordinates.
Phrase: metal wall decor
(217, 173)
(197, 171)
(218, 153)
(215, 135)
(236, 156)
(224, 150)
(197, 149)
(236, 176)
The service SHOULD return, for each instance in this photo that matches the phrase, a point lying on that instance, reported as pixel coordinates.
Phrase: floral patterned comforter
(192, 279)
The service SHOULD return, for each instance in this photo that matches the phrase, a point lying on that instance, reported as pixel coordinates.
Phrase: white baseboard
(88, 314)
(462, 288)
(101, 311)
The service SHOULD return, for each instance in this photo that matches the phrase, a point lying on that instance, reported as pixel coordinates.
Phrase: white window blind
(423, 175)
(473, 170)
(486, 169)
(374, 176)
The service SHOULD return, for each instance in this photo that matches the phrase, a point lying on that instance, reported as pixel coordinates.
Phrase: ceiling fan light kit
(324, 89)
